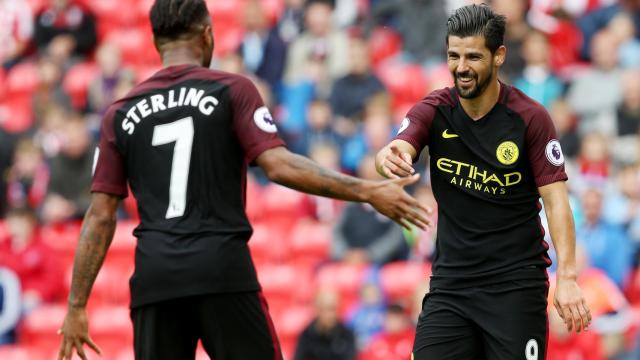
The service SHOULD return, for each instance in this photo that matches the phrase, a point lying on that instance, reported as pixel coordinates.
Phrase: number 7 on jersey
(180, 132)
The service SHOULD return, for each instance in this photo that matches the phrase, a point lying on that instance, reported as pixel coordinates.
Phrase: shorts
(231, 326)
(502, 321)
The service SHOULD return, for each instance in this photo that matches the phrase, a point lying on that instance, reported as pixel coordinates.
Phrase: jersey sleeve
(109, 175)
(252, 122)
(543, 148)
(415, 126)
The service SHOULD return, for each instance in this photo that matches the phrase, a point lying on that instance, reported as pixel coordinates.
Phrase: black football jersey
(485, 176)
(182, 140)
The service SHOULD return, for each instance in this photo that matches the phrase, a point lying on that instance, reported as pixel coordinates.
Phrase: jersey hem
(411, 141)
(262, 147)
(108, 189)
(237, 288)
(550, 179)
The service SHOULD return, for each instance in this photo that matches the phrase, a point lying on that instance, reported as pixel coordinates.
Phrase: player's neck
(179, 55)
(480, 106)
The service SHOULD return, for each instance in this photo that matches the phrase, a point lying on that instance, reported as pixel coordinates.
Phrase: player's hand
(571, 306)
(390, 199)
(396, 164)
(75, 333)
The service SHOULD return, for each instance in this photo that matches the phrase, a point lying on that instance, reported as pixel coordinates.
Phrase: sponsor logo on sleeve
(404, 125)
(554, 153)
(262, 117)
(507, 152)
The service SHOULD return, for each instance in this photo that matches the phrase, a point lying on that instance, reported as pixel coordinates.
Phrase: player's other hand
(393, 163)
(75, 333)
(390, 199)
(571, 305)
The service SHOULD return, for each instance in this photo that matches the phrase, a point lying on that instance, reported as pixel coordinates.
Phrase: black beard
(475, 91)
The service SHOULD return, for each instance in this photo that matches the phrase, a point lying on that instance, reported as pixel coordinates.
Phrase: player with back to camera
(493, 154)
(183, 140)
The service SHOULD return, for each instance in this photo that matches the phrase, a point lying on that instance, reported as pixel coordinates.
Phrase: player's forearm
(95, 238)
(562, 231)
(301, 173)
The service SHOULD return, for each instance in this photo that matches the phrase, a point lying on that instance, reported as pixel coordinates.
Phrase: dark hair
(22, 211)
(173, 18)
(473, 20)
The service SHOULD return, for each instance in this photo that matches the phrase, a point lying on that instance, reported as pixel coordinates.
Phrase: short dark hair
(172, 18)
(473, 20)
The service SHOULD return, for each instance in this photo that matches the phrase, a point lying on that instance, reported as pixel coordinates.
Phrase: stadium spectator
(326, 337)
(16, 30)
(68, 196)
(49, 91)
(321, 43)
(6, 158)
(622, 202)
(395, 341)
(319, 129)
(291, 22)
(422, 36)
(351, 92)
(537, 80)
(28, 177)
(367, 316)
(564, 121)
(112, 81)
(24, 252)
(362, 236)
(623, 29)
(593, 159)
(517, 31)
(607, 245)
(596, 93)
(263, 51)
(629, 110)
(10, 305)
(64, 29)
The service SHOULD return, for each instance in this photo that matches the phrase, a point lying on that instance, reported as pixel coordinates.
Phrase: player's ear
(499, 56)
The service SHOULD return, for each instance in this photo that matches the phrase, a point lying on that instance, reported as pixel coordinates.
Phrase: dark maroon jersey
(485, 176)
(182, 141)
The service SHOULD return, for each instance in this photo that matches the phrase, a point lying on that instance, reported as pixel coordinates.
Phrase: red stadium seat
(278, 283)
(39, 327)
(112, 11)
(273, 9)
(16, 114)
(253, 208)
(62, 239)
(384, 43)
(23, 78)
(400, 279)
(36, 6)
(311, 242)
(145, 71)
(406, 83)
(228, 39)
(77, 80)
(136, 45)
(268, 243)
(20, 352)
(346, 279)
(282, 205)
(226, 12)
(290, 322)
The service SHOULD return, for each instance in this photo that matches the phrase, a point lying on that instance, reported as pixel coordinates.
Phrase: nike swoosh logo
(446, 135)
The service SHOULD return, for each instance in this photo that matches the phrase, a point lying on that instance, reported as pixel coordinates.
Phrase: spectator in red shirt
(28, 177)
(395, 341)
(23, 252)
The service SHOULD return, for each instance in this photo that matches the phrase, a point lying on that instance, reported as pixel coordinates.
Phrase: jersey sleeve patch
(554, 153)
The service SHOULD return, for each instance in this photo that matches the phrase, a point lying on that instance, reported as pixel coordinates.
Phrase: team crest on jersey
(507, 153)
(264, 120)
(554, 153)
(404, 125)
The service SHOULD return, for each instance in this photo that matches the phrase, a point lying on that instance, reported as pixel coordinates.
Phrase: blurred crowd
(339, 75)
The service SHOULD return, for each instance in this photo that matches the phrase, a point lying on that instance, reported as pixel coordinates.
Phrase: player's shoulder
(528, 108)
(444, 96)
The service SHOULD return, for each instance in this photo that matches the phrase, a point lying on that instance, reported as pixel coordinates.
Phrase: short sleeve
(415, 126)
(543, 148)
(109, 174)
(252, 121)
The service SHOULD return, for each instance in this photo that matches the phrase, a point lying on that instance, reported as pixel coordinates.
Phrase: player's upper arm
(413, 134)
(544, 151)
(271, 160)
(551, 193)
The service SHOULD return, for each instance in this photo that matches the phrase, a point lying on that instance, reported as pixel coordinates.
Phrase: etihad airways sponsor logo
(471, 177)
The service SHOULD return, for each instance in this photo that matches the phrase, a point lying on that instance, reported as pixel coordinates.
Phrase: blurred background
(342, 282)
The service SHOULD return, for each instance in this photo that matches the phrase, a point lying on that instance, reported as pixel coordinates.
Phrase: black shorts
(503, 321)
(232, 326)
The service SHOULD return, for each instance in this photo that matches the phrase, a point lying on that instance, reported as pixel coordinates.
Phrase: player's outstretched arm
(568, 299)
(396, 160)
(97, 232)
(301, 173)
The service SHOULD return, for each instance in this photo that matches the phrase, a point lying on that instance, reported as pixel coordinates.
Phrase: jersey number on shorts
(180, 132)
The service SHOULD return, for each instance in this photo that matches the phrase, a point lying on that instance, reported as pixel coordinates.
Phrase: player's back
(185, 137)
